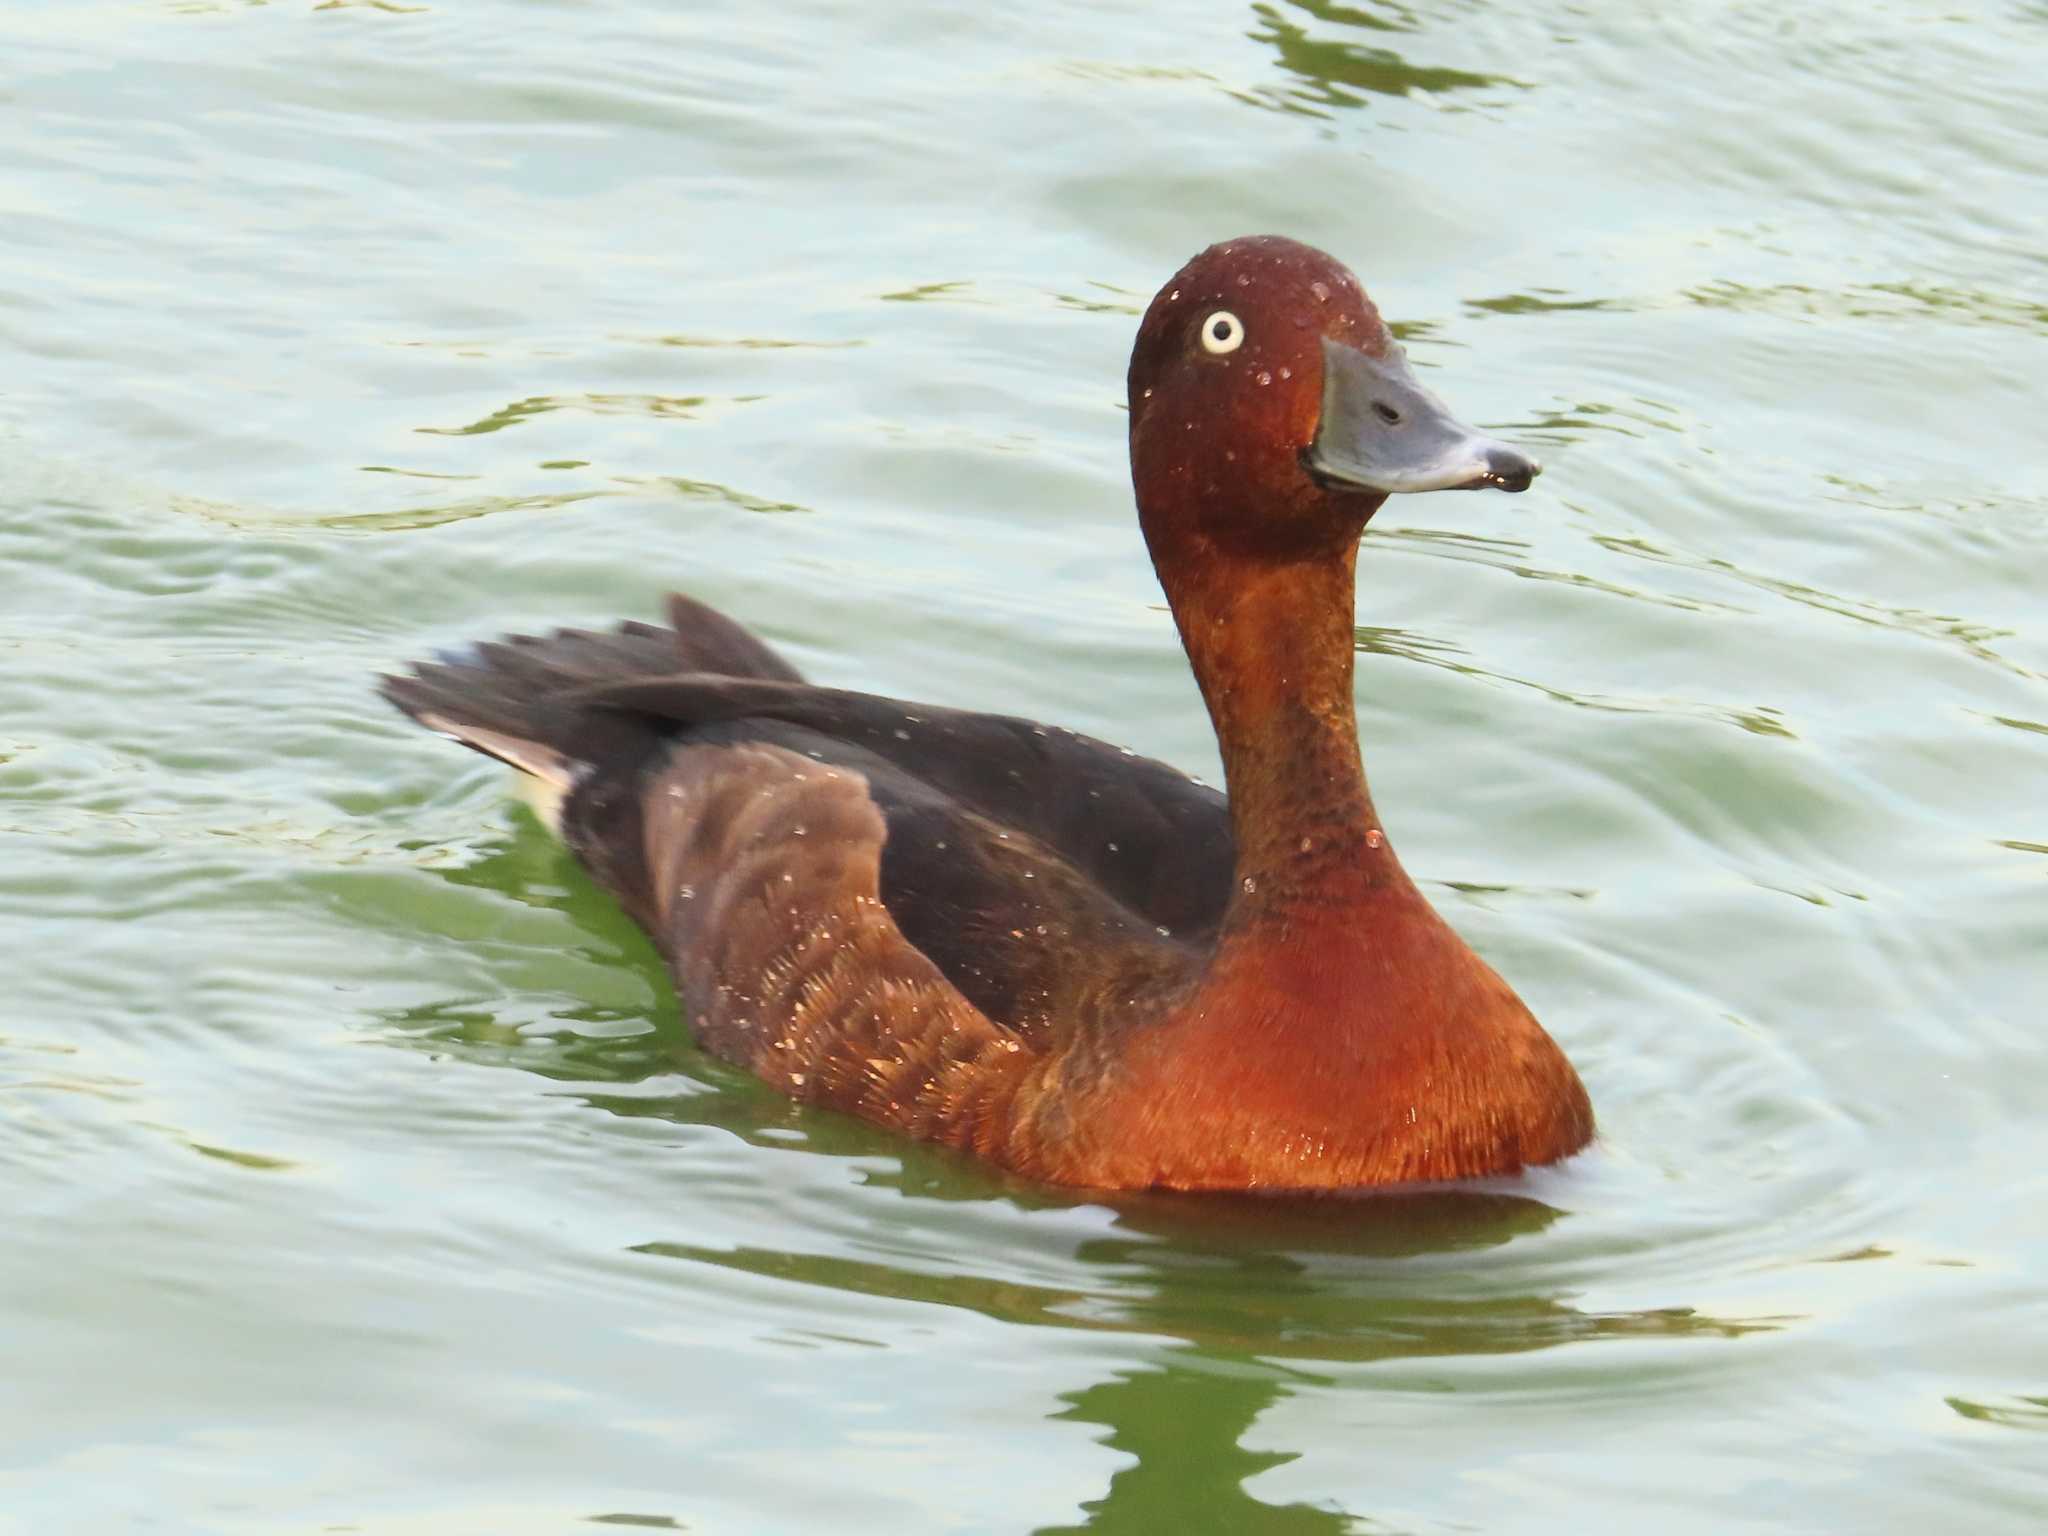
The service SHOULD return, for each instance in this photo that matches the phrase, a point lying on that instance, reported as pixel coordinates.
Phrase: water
(358, 1173)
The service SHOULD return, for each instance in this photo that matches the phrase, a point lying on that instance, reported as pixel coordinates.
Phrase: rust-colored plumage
(1018, 941)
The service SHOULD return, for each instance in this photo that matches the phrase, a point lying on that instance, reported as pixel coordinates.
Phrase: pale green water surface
(357, 1172)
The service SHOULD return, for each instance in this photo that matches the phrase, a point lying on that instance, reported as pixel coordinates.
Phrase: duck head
(1272, 410)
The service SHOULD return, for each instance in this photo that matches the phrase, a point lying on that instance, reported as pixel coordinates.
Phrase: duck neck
(1271, 643)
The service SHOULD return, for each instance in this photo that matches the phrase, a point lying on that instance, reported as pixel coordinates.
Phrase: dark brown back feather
(1004, 851)
(1142, 831)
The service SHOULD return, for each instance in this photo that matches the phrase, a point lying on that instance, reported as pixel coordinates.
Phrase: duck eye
(1386, 413)
(1222, 332)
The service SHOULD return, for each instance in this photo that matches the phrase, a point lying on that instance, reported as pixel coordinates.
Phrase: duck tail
(519, 699)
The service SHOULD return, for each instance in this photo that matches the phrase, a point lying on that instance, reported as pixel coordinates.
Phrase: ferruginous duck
(1074, 962)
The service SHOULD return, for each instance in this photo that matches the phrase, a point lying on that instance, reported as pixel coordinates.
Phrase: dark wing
(1143, 832)
(1052, 879)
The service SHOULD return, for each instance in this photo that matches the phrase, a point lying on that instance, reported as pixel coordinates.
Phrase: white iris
(1222, 332)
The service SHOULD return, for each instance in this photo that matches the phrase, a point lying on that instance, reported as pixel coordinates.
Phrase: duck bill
(1382, 431)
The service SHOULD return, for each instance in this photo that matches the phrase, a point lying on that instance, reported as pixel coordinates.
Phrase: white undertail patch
(545, 776)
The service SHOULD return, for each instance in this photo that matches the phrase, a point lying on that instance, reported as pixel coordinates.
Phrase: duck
(1076, 963)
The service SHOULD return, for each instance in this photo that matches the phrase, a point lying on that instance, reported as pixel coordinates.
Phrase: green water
(357, 1173)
